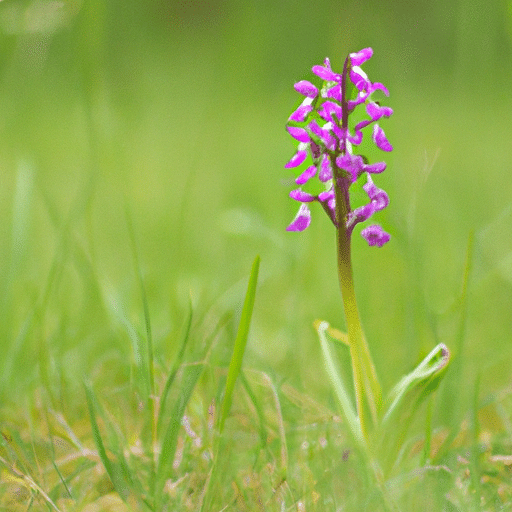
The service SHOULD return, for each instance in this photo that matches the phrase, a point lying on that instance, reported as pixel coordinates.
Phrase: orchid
(327, 153)
(320, 125)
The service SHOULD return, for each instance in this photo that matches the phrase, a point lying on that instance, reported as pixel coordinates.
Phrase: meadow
(142, 153)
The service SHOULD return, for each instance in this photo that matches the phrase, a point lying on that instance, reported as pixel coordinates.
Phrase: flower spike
(320, 125)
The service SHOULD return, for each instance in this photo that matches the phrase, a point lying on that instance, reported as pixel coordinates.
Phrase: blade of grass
(149, 373)
(119, 474)
(176, 366)
(259, 409)
(240, 343)
(234, 370)
(454, 385)
(62, 479)
(17, 477)
(475, 448)
(170, 441)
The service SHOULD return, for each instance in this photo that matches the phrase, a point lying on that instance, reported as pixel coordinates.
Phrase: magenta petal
(378, 85)
(360, 214)
(301, 113)
(361, 98)
(357, 138)
(351, 163)
(326, 196)
(375, 235)
(297, 159)
(375, 168)
(325, 74)
(316, 129)
(325, 173)
(380, 139)
(329, 108)
(334, 93)
(302, 220)
(356, 59)
(298, 133)
(303, 197)
(306, 88)
(376, 111)
(377, 196)
(359, 79)
(323, 134)
(306, 175)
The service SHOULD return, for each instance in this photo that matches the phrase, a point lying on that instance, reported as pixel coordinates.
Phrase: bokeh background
(172, 113)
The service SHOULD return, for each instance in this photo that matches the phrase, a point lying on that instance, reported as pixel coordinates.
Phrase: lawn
(142, 154)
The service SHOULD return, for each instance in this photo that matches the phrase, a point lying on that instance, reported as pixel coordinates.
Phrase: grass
(120, 332)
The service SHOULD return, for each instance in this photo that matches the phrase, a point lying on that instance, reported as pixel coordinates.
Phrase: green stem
(366, 385)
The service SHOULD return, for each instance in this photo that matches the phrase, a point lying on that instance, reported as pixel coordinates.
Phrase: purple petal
(357, 138)
(316, 128)
(303, 197)
(301, 113)
(306, 88)
(329, 108)
(376, 111)
(334, 93)
(298, 133)
(359, 78)
(380, 139)
(325, 169)
(302, 219)
(297, 159)
(326, 196)
(375, 235)
(360, 214)
(338, 131)
(378, 85)
(362, 124)
(351, 163)
(375, 168)
(306, 175)
(361, 98)
(326, 73)
(378, 197)
(323, 134)
(356, 59)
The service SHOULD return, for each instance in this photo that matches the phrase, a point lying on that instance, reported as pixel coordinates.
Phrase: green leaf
(337, 382)
(415, 386)
(235, 364)
(404, 401)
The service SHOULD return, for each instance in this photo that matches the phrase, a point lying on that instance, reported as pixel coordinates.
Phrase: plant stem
(367, 388)
(366, 385)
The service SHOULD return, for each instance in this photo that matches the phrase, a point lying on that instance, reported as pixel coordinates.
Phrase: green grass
(118, 330)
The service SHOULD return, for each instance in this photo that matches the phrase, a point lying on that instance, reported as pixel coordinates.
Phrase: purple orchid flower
(320, 125)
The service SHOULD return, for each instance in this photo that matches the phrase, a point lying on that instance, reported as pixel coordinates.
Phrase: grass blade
(258, 408)
(176, 366)
(235, 364)
(114, 471)
(150, 370)
(170, 441)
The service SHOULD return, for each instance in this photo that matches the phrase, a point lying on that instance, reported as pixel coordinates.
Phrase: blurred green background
(174, 112)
